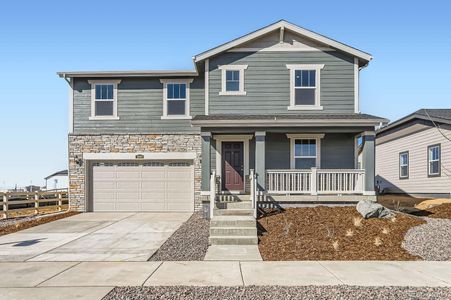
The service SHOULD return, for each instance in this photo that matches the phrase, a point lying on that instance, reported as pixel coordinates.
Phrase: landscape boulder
(369, 209)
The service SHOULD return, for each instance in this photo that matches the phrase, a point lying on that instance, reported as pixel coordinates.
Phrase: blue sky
(410, 43)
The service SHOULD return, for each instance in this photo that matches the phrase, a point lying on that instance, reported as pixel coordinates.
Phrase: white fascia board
(146, 155)
(299, 30)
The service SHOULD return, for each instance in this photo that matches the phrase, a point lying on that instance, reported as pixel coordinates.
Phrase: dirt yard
(332, 233)
(440, 212)
(16, 224)
(396, 202)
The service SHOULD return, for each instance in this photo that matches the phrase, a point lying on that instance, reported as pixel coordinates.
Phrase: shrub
(357, 221)
(349, 232)
(335, 245)
(377, 241)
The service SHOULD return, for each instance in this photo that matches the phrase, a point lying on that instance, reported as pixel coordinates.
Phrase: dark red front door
(233, 166)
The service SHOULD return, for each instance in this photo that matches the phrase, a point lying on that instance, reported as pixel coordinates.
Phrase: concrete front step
(233, 240)
(233, 221)
(234, 205)
(233, 231)
(233, 212)
(233, 198)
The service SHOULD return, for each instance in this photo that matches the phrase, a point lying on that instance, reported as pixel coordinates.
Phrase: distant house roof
(442, 116)
(304, 120)
(59, 173)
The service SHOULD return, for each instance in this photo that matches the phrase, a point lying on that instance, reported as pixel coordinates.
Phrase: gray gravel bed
(279, 292)
(188, 243)
(431, 241)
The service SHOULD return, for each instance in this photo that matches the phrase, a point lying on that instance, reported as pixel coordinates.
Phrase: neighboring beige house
(413, 154)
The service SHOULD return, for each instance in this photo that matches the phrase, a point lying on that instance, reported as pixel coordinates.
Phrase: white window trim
(434, 160)
(401, 165)
(232, 138)
(93, 84)
(165, 115)
(307, 67)
(294, 137)
(224, 69)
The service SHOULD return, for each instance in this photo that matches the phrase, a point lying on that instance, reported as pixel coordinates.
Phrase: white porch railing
(212, 192)
(253, 189)
(315, 181)
(288, 181)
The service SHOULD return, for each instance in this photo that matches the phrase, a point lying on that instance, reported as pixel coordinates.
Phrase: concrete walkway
(233, 253)
(93, 237)
(93, 280)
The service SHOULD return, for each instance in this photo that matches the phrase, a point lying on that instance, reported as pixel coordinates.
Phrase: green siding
(140, 107)
(267, 82)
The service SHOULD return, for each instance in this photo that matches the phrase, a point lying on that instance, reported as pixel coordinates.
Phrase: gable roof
(442, 116)
(363, 56)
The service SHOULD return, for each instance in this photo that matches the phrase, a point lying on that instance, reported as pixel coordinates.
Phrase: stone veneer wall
(127, 143)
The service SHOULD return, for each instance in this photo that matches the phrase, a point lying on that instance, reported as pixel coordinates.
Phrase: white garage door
(143, 186)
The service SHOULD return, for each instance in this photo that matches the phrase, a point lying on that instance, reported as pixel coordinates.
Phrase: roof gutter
(281, 123)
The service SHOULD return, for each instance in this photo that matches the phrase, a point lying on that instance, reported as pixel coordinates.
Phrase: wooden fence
(16, 204)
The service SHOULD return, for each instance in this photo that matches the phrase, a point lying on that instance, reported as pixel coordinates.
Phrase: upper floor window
(305, 150)
(104, 99)
(404, 165)
(176, 102)
(232, 80)
(305, 87)
(434, 163)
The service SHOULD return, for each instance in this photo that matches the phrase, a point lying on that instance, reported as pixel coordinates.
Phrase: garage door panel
(180, 206)
(105, 196)
(104, 206)
(128, 185)
(131, 206)
(153, 197)
(104, 175)
(152, 185)
(143, 186)
(153, 206)
(105, 184)
(128, 175)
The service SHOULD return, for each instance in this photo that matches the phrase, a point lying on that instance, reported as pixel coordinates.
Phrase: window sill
(106, 118)
(176, 117)
(237, 93)
(305, 107)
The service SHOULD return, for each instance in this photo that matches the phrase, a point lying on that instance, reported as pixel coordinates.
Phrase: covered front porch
(289, 164)
(289, 157)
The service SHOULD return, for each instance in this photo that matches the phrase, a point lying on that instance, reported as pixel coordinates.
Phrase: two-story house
(273, 113)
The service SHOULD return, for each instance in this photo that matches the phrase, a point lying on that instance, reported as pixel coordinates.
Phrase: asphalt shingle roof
(233, 117)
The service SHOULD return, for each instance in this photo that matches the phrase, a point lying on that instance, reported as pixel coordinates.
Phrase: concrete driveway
(93, 237)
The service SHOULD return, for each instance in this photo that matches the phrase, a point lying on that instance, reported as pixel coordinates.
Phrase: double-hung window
(232, 79)
(404, 165)
(305, 87)
(176, 103)
(434, 163)
(104, 99)
(305, 151)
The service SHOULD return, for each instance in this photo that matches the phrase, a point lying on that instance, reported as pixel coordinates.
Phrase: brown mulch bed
(440, 212)
(309, 234)
(33, 221)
